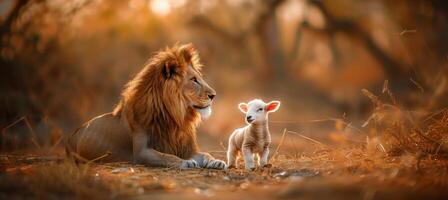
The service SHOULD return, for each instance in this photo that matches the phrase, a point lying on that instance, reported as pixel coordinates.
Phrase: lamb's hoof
(267, 166)
(251, 169)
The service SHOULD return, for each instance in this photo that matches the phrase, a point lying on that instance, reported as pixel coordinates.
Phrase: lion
(155, 121)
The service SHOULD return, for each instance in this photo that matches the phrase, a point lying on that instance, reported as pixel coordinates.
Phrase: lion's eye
(194, 79)
(260, 109)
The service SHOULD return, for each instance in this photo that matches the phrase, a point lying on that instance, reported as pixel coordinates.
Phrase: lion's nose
(211, 96)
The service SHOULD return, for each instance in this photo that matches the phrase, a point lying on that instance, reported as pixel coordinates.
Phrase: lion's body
(156, 119)
(101, 135)
(111, 133)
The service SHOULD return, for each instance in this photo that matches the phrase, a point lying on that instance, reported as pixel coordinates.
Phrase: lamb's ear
(273, 106)
(243, 107)
(187, 51)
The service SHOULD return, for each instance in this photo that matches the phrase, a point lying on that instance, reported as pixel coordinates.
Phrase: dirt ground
(328, 173)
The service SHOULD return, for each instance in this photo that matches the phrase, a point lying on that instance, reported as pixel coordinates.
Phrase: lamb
(253, 139)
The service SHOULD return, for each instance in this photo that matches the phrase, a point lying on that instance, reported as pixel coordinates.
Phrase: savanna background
(363, 86)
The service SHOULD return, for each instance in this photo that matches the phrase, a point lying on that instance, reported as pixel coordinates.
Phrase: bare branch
(237, 38)
(263, 17)
(392, 67)
(13, 15)
(204, 22)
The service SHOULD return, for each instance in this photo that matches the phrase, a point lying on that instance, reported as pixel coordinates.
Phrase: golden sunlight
(160, 7)
(359, 90)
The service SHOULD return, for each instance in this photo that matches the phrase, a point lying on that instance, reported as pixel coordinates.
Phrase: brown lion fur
(154, 101)
(156, 104)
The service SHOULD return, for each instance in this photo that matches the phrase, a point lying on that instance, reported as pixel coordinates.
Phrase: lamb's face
(257, 111)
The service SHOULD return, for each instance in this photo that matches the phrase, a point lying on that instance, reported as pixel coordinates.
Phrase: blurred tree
(316, 54)
(33, 65)
(430, 16)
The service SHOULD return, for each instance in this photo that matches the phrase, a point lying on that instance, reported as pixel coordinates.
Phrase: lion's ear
(170, 69)
(187, 51)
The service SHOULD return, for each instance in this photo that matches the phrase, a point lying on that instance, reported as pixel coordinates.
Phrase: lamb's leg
(232, 155)
(248, 158)
(264, 157)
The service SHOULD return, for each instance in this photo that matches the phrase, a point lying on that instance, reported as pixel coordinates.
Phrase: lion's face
(182, 74)
(197, 92)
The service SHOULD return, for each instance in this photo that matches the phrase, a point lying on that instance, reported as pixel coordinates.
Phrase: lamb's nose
(249, 119)
(211, 96)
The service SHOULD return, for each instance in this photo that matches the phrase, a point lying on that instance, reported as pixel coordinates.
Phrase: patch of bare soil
(336, 173)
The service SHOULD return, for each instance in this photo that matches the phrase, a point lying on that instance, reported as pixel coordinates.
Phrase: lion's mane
(153, 101)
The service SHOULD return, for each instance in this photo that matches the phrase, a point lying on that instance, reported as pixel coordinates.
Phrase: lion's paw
(216, 164)
(188, 164)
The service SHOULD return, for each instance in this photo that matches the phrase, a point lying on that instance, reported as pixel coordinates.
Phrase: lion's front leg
(205, 160)
(148, 156)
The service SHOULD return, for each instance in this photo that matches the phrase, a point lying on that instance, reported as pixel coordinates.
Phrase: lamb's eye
(260, 109)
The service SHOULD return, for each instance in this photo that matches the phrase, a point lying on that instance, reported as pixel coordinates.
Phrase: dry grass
(432, 141)
(48, 177)
(404, 156)
(397, 131)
